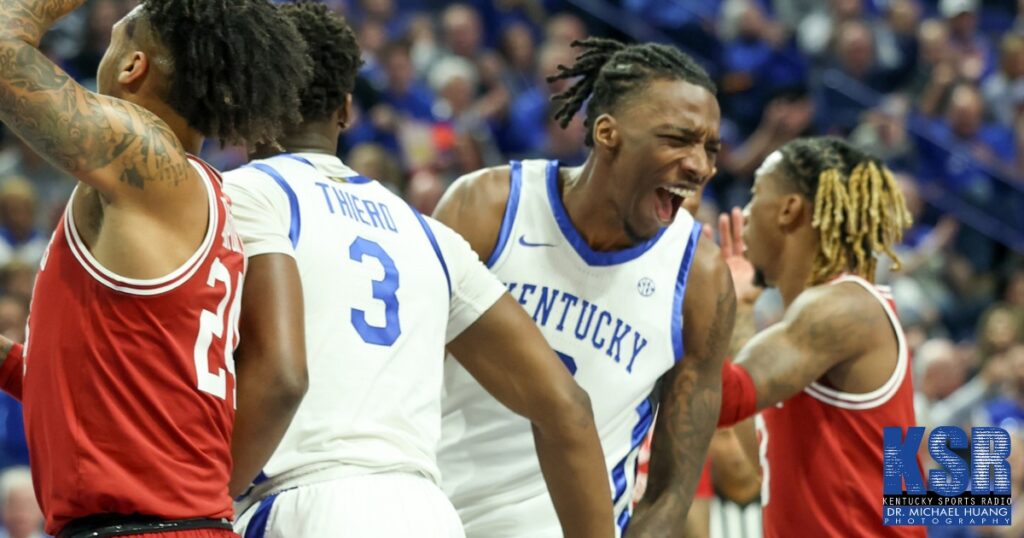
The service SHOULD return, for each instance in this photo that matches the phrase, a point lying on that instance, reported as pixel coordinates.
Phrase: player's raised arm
(690, 398)
(115, 146)
(823, 327)
(506, 353)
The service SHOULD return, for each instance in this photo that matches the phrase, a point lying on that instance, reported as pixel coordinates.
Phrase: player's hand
(730, 233)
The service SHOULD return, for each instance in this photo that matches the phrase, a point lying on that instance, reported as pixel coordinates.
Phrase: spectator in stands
(883, 132)
(100, 18)
(384, 13)
(758, 62)
(972, 50)
(17, 279)
(21, 515)
(407, 96)
(52, 187)
(937, 375)
(999, 329)
(462, 31)
(786, 117)
(935, 71)
(425, 49)
(519, 52)
(564, 144)
(20, 240)
(372, 37)
(965, 119)
(375, 162)
(13, 315)
(853, 56)
(524, 131)
(1007, 409)
(424, 191)
(1002, 89)
(896, 40)
(563, 29)
(1018, 25)
(463, 37)
(819, 26)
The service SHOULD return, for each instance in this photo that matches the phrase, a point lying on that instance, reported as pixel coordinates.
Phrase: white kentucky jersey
(384, 290)
(614, 318)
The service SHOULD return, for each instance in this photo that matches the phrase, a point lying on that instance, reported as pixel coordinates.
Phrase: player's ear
(606, 132)
(133, 68)
(792, 209)
(345, 113)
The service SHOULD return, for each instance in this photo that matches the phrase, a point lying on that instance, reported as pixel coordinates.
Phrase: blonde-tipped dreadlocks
(859, 210)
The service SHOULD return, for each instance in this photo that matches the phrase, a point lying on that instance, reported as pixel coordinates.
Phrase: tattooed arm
(824, 326)
(110, 144)
(691, 395)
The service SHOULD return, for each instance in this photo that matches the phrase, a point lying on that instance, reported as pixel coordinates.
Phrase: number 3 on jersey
(383, 290)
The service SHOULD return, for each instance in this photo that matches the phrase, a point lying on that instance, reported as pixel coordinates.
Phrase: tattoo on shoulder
(80, 131)
(836, 327)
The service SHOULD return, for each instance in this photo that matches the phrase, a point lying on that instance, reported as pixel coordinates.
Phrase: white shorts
(392, 505)
(534, 517)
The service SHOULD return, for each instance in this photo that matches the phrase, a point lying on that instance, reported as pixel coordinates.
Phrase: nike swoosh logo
(525, 243)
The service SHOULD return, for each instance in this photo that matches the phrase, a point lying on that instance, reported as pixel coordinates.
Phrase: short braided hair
(859, 210)
(335, 55)
(611, 71)
(238, 66)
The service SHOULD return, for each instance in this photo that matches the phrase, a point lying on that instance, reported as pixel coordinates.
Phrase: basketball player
(619, 282)
(836, 370)
(128, 371)
(385, 289)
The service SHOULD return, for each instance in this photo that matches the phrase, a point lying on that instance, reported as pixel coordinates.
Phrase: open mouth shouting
(668, 200)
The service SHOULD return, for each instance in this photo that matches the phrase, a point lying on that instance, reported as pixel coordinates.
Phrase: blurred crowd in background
(935, 87)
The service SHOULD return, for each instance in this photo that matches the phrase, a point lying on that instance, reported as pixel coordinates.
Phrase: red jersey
(821, 452)
(129, 384)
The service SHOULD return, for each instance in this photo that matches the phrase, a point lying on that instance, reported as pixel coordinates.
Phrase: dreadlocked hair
(335, 55)
(611, 71)
(237, 66)
(859, 210)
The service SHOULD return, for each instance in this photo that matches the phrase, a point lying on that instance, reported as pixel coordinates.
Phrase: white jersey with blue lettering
(384, 290)
(615, 319)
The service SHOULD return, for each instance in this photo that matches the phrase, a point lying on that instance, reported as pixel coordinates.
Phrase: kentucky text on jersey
(593, 324)
(368, 212)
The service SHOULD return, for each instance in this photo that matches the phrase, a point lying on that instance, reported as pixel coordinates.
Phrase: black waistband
(102, 525)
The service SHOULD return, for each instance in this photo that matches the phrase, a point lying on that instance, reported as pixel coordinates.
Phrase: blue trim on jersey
(623, 522)
(295, 228)
(260, 478)
(358, 180)
(677, 302)
(295, 157)
(589, 255)
(257, 526)
(646, 413)
(437, 248)
(511, 208)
